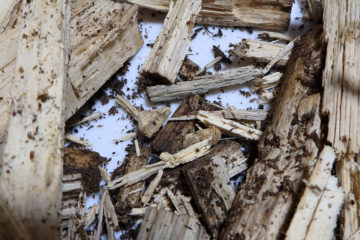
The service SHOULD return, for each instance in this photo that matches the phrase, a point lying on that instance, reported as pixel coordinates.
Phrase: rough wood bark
(340, 79)
(203, 84)
(260, 51)
(173, 42)
(287, 148)
(315, 187)
(272, 15)
(162, 224)
(170, 137)
(33, 148)
(133, 163)
(210, 185)
(91, 68)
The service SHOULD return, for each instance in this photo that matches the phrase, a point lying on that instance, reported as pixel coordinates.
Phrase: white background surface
(109, 128)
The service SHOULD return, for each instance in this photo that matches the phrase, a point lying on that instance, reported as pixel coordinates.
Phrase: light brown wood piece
(116, 46)
(212, 132)
(173, 42)
(8, 13)
(348, 171)
(325, 217)
(229, 127)
(133, 163)
(33, 148)
(267, 82)
(203, 84)
(312, 195)
(340, 79)
(287, 148)
(211, 188)
(161, 224)
(273, 36)
(272, 15)
(237, 114)
(151, 188)
(111, 219)
(260, 51)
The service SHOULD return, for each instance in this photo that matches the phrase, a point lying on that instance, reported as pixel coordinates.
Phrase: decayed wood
(287, 148)
(10, 227)
(273, 36)
(267, 82)
(203, 84)
(89, 69)
(316, 9)
(173, 42)
(314, 190)
(151, 188)
(111, 219)
(273, 15)
(325, 218)
(260, 51)
(170, 137)
(348, 171)
(191, 138)
(149, 122)
(161, 224)
(33, 148)
(87, 119)
(237, 114)
(74, 139)
(186, 155)
(210, 185)
(228, 126)
(340, 79)
(133, 163)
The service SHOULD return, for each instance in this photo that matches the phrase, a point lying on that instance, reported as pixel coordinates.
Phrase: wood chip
(77, 140)
(228, 126)
(150, 190)
(173, 42)
(203, 84)
(126, 137)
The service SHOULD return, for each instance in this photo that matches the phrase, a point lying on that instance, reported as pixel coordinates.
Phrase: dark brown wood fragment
(288, 148)
(170, 138)
(210, 185)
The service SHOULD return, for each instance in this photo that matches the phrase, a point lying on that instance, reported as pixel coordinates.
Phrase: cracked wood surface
(288, 147)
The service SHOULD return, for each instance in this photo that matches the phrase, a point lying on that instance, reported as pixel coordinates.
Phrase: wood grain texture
(287, 148)
(33, 149)
(173, 42)
(265, 14)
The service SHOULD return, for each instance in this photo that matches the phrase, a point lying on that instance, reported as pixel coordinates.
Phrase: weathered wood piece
(273, 36)
(151, 188)
(10, 227)
(111, 219)
(228, 126)
(210, 185)
(260, 51)
(170, 137)
(173, 42)
(203, 84)
(191, 138)
(340, 79)
(237, 114)
(150, 121)
(133, 163)
(272, 15)
(287, 148)
(33, 148)
(161, 224)
(325, 217)
(314, 190)
(89, 68)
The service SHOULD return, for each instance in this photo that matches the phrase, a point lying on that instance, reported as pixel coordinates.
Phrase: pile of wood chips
(302, 165)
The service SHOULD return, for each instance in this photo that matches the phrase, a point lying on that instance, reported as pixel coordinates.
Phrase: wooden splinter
(150, 121)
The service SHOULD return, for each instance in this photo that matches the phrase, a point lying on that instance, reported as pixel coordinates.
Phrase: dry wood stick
(162, 224)
(203, 84)
(316, 9)
(173, 42)
(260, 51)
(33, 148)
(287, 147)
(271, 15)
